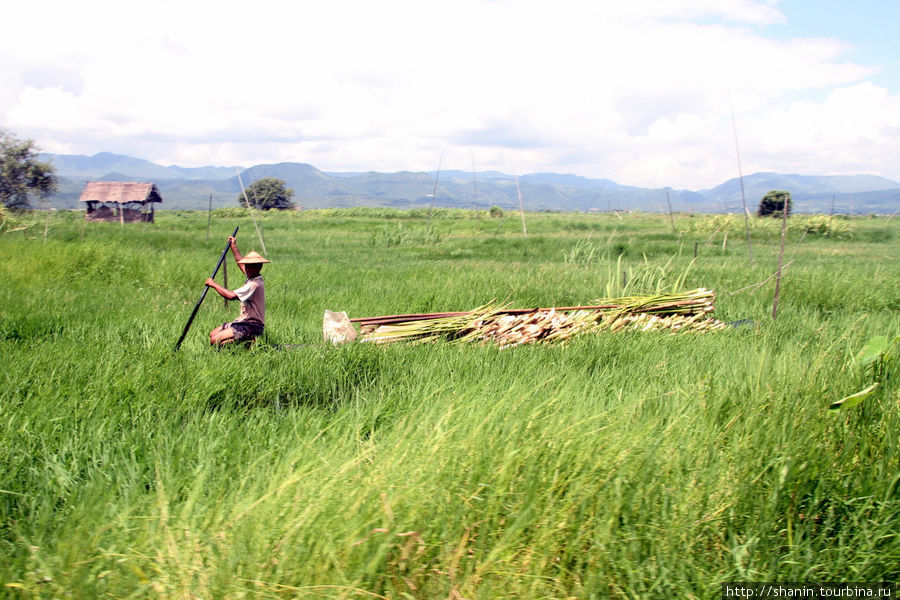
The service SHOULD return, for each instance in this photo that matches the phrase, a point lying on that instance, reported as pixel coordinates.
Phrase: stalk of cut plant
(505, 327)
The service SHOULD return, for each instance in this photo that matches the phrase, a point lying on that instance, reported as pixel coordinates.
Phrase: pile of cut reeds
(506, 327)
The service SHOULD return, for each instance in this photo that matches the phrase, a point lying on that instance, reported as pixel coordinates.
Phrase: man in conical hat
(250, 323)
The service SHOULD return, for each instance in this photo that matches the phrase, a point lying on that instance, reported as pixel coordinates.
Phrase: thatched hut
(120, 201)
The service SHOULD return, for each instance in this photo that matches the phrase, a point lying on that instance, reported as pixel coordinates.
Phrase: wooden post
(831, 216)
(671, 218)
(209, 220)
(47, 220)
(521, 208)
(784, 215)
(434, 192)
(474, 186)
(737, 149)
(121, 215)
(250, 209)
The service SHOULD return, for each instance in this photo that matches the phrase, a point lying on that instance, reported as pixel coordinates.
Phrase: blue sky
(869, 28)
(640, 92)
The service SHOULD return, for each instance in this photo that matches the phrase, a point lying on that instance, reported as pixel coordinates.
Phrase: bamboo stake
(784, 213)
(474, 184)
(249, 208)
(208, 217)
(46, 221)
(741, 179)
(521, 208)
(434, 191)
(671, 217)
(831, 216)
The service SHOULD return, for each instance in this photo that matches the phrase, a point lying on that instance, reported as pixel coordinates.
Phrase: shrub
(773, 203)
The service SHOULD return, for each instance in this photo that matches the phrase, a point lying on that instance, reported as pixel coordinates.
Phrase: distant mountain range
(191, 188)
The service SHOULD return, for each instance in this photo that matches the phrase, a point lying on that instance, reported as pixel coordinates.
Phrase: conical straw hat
(252, 258)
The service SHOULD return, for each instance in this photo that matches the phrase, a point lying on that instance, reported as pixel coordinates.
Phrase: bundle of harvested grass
(491, 323)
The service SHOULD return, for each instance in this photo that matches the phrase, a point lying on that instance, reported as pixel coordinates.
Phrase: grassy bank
(623, 465)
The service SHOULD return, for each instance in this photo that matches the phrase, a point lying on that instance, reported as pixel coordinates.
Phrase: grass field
(622, 465)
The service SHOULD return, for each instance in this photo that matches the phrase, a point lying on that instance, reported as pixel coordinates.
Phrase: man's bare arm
(237, 254)
(225, 293)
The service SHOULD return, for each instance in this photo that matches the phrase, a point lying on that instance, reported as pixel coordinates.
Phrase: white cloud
(853, 129)
(637, 92)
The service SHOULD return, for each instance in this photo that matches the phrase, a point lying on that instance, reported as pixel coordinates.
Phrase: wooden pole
(784, 214)
(831, 216)
(521, 208)
(434, 191)
(671, 217)
(252, 216)
(474, 184)
(741, 179)
(47, 220)
(121, 215)
(208, 217)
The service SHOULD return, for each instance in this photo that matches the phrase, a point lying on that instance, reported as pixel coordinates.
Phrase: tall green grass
(623, 466)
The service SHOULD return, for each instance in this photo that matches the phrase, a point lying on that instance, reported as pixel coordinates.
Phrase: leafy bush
(773, 204)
